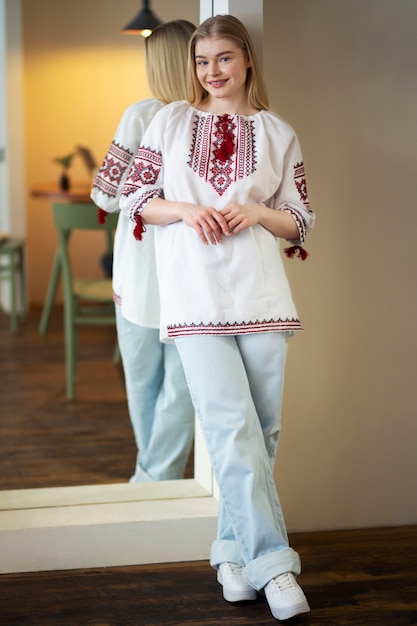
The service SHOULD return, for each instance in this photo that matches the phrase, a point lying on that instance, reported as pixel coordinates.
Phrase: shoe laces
(285, 581)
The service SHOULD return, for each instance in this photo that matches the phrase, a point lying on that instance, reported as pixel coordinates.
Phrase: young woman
(222, 179)
(159, 403)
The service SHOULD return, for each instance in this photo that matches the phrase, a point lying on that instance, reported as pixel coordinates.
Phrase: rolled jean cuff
(260, 571)
(225, 551)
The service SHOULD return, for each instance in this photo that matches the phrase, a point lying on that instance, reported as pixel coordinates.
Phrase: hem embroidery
(265, 326)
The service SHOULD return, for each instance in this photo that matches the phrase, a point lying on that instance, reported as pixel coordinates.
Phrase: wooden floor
(47, 441)
(364, 577)
(360, 577)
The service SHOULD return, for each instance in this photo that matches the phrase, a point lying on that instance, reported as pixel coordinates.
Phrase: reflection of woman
(223, 179)
(160, 408)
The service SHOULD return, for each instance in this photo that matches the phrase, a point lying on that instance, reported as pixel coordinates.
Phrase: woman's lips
(217, 83)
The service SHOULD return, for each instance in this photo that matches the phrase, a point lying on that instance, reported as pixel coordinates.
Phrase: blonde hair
(166, 60)
(227, 27)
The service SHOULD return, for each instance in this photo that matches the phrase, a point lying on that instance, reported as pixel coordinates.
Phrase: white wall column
(12, 171)
(4, 202)
(13, 212)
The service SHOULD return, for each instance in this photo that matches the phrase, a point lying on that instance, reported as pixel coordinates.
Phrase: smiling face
(221, 68)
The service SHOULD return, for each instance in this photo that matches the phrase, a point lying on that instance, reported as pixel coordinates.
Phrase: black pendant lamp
(143, 23)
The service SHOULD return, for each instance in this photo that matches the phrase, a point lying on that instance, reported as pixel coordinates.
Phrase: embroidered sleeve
(300, 221)
(142, 180)
(145, 178)
(109, 180)
(292, 195)
(112, 171)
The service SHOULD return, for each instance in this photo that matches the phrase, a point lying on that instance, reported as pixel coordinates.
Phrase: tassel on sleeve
(101, 216)
(293, 251)
(139, 228)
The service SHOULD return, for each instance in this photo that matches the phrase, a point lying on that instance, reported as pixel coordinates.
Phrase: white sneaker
(235, 589)
(285, 597)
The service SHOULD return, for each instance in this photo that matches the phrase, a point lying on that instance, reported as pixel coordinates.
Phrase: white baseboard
(109, 525)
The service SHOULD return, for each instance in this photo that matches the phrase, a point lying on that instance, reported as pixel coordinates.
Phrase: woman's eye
(225, 59)
(201, 62)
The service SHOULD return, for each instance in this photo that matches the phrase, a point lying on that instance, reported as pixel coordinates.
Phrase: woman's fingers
(210, 225)
(233, 216)
(239, 217)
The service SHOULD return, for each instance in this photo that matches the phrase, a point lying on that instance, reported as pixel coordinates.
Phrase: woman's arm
(241, 216)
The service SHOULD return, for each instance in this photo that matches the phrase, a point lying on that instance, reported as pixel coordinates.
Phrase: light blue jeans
(160, 407)
(236, 383)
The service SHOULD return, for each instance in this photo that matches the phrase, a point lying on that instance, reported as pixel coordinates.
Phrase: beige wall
(344, 74)
(80, 74)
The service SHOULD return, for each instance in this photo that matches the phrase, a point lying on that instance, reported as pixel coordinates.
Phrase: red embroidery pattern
(111, 172)
(144, 171)
(138, 206)
(223, 150)
(300, 221)
(236, 328)
(300, 183)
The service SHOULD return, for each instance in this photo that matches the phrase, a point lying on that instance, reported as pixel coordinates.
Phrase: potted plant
(65, 162)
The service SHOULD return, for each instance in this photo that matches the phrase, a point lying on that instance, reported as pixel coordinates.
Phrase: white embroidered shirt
(135, 283)
(239, 286)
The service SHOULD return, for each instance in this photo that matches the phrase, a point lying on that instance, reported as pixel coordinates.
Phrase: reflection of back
(86, 301)
(160, 407)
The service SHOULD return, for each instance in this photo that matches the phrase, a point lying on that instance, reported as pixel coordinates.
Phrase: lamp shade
(143, 23)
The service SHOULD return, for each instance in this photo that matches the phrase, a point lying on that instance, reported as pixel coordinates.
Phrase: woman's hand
(240, 216)
(209, 224)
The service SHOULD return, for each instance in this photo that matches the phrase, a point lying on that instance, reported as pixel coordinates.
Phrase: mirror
(47, 441)
(65, 72)
(90, 525)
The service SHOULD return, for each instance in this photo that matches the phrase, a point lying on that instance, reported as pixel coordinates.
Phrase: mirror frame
(110, 525)
(91, 526)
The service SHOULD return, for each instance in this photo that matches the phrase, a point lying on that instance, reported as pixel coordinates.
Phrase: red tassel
(139, 228)
(221, 154)
(296, 251)
(101, 216)
(225, 149)
(229, 144)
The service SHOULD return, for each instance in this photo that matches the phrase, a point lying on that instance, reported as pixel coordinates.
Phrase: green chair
(12, 266)
(86, 301)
